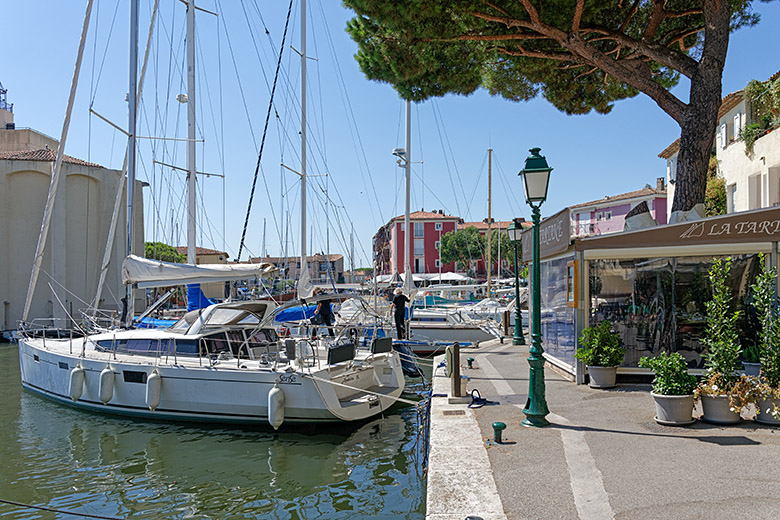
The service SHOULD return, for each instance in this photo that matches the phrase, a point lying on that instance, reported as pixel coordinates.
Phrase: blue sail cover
(296, 313)
(195, 298)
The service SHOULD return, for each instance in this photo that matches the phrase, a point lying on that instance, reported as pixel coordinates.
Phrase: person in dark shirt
(324, 310)
(399, 310)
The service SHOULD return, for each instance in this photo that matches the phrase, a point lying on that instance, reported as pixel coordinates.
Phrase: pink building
(608, 215)
(427, 230)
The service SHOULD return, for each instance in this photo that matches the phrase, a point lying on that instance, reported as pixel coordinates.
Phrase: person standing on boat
(325, 312)
(399, 312)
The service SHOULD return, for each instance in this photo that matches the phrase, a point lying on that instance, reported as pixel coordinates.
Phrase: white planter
(717, 410)
(751, 369)
(602, 377)
(673, 410)
(764, 409)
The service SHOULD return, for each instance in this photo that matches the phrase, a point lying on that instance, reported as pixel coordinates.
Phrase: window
(419, 230)
(731, 194)
(419, 247)
(403, 226)
(438, 226)
(437, 263)
(608, 215)
(437, 244)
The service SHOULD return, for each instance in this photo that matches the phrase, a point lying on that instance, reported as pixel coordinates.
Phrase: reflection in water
(73, 460)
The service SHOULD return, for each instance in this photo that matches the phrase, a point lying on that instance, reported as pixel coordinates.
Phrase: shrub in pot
(601, 351)
(751, 359)
(768, 386)
(673, 388)
(723, 391)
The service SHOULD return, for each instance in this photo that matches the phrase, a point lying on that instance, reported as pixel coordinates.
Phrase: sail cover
(144, 272)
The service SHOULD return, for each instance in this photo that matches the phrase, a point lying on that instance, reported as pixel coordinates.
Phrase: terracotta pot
(602, 377)
(764, 409)
(673, 410)
(717, 410)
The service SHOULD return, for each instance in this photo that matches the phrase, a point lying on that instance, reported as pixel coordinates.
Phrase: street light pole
(536, 177)
(514, 236)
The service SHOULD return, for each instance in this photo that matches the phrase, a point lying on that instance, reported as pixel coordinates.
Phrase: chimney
(660, 183)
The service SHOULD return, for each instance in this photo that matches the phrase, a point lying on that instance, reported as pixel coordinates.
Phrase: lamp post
(514, 231)
(536, 179)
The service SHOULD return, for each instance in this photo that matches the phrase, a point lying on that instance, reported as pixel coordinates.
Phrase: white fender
(106, 385)
(153, 387)
(276, 406)
(76, 386)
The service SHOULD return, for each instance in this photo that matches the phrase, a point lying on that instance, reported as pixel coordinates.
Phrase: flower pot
(673, 410)
(717, 410)
(751, 369)
(602, 377)
(764, 409)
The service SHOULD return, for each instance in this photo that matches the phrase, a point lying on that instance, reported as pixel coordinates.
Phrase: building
(752, 179)
(322, 268)
(77, 236)
(480, 269)
(427, 230)
(215, 290)
(608, 215)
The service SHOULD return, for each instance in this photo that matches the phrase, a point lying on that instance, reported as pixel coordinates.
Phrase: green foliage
(764, 101)
(463, 246)
(507, 249)
(769, 317)
(164, 252)
(600, 346)
(671, 374)
(722, 341)
(715, 193)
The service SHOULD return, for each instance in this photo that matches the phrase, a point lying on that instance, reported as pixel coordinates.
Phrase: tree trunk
(701, 116)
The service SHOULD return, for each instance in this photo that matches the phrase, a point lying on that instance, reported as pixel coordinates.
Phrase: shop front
(652, 285)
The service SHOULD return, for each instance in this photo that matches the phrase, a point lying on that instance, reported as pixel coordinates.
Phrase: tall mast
(303, 134)
(489, 228)
(191, 193)
(408, 282)
(131, 151)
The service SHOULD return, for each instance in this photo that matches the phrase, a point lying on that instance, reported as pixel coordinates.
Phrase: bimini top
(144, 272)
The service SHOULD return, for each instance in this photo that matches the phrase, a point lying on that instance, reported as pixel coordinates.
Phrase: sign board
(554, 236)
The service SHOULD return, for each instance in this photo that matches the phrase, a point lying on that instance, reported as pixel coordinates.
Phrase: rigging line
(360, 148)
(105, 53)
(254, 44)
(265, 130)
(422, 181)
(446, 158)
(420, 147)
(507, 189)
(477, 181)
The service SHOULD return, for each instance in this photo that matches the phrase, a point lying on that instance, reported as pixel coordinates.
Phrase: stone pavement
(602, 457)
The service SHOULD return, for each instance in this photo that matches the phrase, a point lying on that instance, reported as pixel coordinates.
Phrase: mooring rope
(54, 510)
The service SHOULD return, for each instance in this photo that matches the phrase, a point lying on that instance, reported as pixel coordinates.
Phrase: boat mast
(131, 149)
(303, 135)
(489, 228)
(408, 282)
(191, 188)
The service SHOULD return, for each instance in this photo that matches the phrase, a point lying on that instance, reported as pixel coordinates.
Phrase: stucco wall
(757, 178)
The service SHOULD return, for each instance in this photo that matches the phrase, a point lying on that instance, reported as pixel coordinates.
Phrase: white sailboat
(224, 363)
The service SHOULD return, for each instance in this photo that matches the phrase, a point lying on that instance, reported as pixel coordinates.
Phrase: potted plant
(768, 386)
(723, 392)
(673, 388)
(601, 352)
(751, 359)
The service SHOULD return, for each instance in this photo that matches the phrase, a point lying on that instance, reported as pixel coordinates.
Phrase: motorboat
(450, 325)
(221, 364)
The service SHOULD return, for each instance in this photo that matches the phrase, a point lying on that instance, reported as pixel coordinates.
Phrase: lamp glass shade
(514, 231)
(536, 177)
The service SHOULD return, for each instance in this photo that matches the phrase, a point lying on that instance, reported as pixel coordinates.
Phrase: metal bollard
(498, 427)
(455, 384)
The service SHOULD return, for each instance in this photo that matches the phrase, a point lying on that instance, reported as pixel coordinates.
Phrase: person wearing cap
(399, 311)
(325, 312)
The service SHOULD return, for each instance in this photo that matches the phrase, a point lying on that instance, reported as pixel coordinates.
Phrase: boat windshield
(222, 317)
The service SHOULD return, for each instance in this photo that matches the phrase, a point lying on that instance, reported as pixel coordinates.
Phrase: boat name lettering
(288, 378)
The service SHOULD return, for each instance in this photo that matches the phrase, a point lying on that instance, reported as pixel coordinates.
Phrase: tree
(507, 249)
(164, 252)
(580, 56)
(463, 246)
(715, 196)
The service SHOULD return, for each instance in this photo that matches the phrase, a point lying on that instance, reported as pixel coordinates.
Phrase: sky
(355, 185)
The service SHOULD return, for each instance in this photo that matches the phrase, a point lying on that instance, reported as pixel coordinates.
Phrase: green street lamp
(536, 178)
(514, 231)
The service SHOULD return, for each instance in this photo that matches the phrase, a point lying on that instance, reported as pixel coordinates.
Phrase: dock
(603, 455)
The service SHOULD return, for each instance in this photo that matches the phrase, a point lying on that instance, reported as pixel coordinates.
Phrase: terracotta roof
(275, 259)
(496, 224)
(200, 251)
(670, 150)
(43, 155)
(644, 192)
(425, 215)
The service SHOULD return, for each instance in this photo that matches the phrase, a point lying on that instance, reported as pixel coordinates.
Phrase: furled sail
(144, 272)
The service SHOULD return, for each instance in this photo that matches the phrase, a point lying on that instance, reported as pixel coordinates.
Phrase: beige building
(208, 256)
(77, 237)
(321, 267)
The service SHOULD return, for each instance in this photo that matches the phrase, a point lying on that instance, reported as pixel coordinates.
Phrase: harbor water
(65, 459)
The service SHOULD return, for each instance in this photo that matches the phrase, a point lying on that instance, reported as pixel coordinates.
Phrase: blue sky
(353, 123)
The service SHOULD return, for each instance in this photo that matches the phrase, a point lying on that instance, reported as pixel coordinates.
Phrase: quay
(603, 455)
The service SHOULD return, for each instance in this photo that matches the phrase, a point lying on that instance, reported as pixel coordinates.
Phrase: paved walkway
(602, 457)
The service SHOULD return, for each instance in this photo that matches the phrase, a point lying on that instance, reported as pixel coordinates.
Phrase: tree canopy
(164, 252)
(580, 56)
(463, 246)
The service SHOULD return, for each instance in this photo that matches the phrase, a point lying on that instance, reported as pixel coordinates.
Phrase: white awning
(144, 272)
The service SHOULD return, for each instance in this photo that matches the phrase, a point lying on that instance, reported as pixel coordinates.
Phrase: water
(55, 456)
